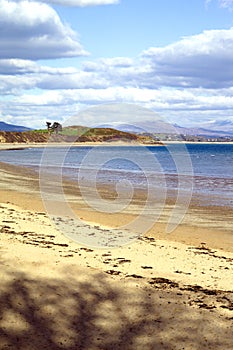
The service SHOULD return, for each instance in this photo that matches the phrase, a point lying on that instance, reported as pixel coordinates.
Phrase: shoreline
(18, 146)
(202, 223)
(24, 212)
(57, 293)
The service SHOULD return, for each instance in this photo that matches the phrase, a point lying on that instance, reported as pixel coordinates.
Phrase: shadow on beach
(89, 310)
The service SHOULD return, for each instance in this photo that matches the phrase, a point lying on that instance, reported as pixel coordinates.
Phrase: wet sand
(162, 291)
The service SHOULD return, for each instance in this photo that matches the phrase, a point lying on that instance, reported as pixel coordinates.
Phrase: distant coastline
(200, 142)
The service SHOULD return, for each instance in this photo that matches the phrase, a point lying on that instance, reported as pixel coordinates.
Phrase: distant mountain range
(11, 127)
(225, 126)
(217, 128)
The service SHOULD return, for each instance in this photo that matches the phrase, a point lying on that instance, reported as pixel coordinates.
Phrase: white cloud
(226, 3)
(17, 75)
(188, 79)
(81, 3)
(32, 30)
(222, 3)
(193, 61)
(177, 105)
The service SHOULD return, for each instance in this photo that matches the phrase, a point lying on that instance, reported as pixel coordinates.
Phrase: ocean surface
(206, 170)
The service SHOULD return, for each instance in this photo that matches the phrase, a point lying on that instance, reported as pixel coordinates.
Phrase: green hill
(75, 134)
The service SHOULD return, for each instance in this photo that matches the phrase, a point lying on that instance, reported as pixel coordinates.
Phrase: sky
(60, 57)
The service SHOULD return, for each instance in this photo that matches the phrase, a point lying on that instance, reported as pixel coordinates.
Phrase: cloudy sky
(58, 57)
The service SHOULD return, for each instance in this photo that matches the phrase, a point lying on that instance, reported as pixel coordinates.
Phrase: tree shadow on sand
(80, 311)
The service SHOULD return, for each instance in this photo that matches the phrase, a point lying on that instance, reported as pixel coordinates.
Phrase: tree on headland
(49, 127)
(56, 127)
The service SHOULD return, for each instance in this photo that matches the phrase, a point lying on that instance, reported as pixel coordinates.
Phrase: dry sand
(160, 292)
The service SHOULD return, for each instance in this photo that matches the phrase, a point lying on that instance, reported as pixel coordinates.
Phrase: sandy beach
(162, 291)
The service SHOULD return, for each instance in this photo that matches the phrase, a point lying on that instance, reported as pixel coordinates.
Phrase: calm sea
(206, 167)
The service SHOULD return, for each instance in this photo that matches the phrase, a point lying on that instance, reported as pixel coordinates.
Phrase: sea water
(207, 167)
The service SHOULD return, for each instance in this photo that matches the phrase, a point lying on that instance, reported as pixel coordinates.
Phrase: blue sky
(174, 57)
(135, 25)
